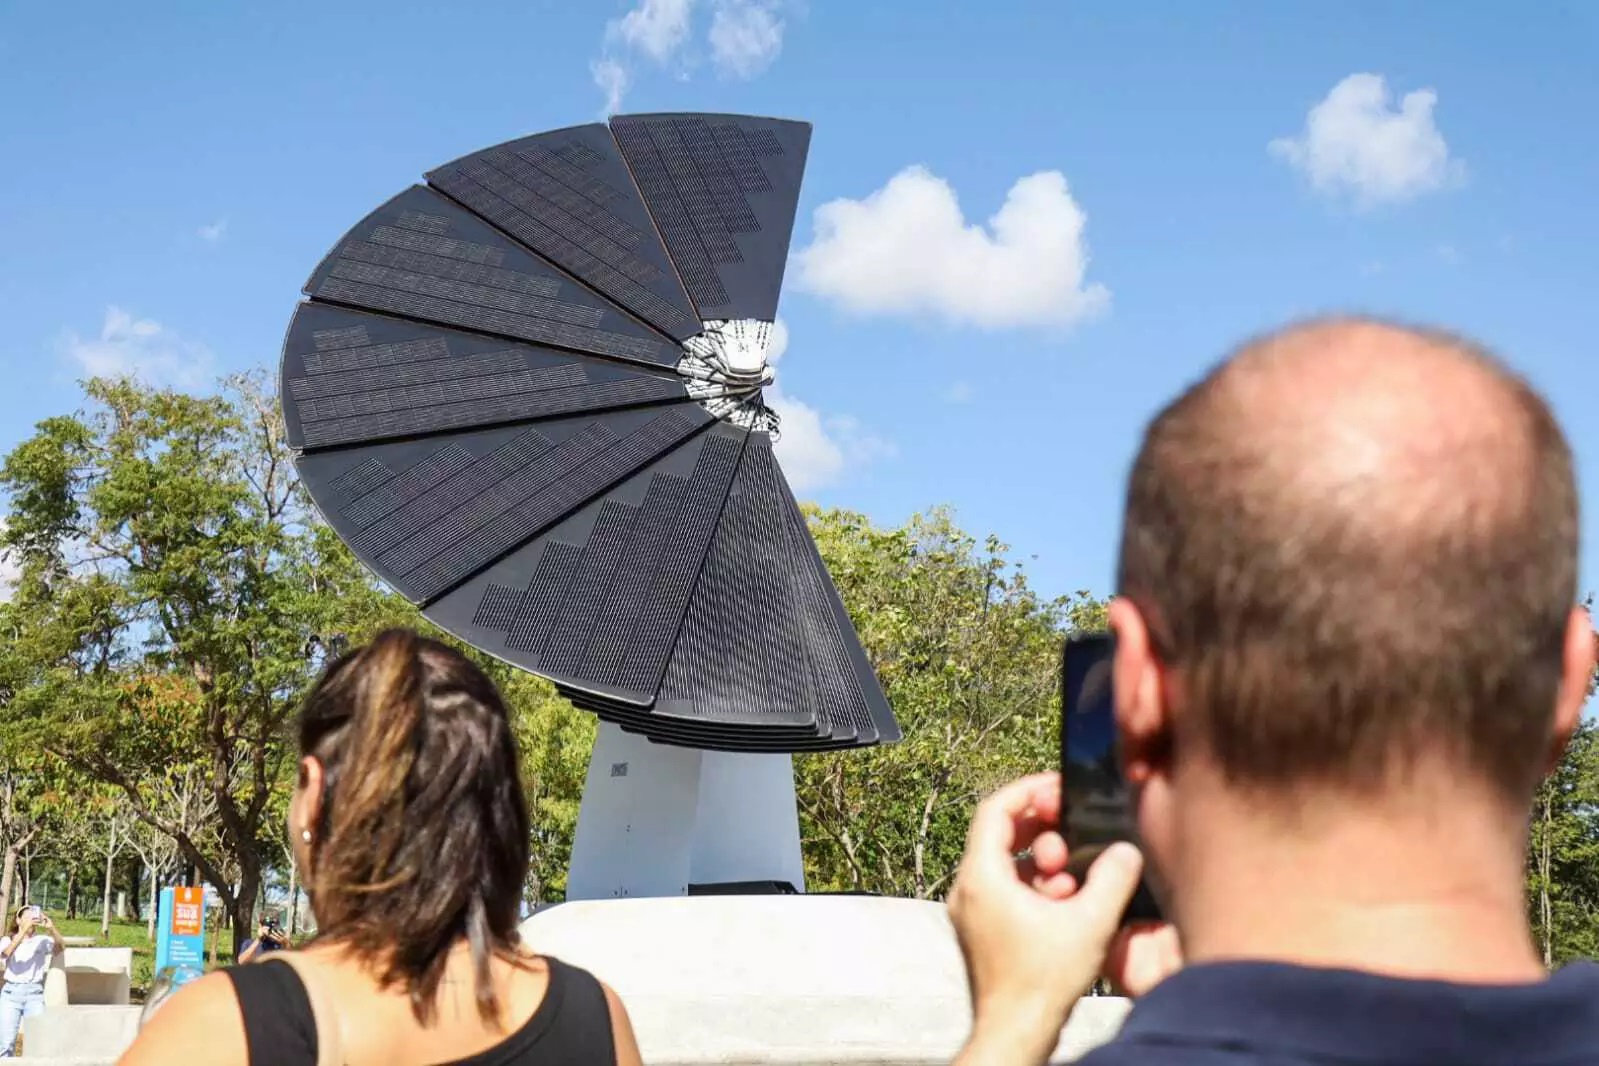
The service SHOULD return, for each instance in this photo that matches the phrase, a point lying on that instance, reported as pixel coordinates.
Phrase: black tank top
(572, 1026)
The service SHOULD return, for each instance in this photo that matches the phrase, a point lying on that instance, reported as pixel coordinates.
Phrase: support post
(656, 819)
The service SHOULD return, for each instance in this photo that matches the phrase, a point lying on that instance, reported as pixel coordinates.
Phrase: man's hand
(1033, 939)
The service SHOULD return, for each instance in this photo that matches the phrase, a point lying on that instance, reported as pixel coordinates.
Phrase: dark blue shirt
(1273, 1014)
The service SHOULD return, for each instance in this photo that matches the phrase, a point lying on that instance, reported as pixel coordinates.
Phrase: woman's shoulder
(202, 1023)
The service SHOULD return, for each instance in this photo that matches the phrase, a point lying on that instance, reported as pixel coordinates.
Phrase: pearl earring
(305, 835)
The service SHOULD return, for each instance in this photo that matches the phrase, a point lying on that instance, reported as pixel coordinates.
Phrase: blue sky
(188, 163)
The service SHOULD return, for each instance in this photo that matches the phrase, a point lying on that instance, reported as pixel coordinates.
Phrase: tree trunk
(294, 895)
(133, 887)
(216, 934)
(155, 880)
(110, 869)
(242, 907)
(7, 876)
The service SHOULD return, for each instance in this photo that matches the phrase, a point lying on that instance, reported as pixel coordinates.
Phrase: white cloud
(657, 28)
(776, 342)
(811, 458)
(214, 232)
(1449, 254)
(141, 349)
(612, 78)
(907, 249)
(1356, 143)
(816, 450)
(746, 36)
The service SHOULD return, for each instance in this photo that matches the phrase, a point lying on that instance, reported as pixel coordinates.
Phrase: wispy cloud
(214, 232)
(746, 36)
(908, 250)
(1355, 143)
(743, 38)
(612, 78)
(142, 349)
(959, 392)
(818, 450)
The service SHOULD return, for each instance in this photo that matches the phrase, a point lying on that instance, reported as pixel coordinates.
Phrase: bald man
(1347, 651)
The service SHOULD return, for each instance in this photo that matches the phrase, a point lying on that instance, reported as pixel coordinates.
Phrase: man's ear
(1142, 717)
(1576, 675)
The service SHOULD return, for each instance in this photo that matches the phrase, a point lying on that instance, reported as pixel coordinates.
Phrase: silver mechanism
(726, 369)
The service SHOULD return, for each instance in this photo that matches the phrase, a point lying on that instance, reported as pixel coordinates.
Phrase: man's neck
(1432, 891)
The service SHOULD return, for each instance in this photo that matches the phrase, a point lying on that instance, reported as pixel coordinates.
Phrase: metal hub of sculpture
(528, 396)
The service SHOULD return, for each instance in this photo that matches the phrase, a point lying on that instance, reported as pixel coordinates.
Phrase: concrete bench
(79, 976)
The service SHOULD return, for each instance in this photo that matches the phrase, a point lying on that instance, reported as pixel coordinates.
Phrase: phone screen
(1095, 806)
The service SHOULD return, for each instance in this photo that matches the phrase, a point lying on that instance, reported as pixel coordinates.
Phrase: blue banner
(180, 928)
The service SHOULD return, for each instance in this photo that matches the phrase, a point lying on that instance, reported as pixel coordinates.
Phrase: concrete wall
(730, 981)
(93, 1033)
(790, 980)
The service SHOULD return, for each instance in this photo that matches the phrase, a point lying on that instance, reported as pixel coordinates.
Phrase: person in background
(26, 950)
(1347, 651)
(269, 937)
(411, 827)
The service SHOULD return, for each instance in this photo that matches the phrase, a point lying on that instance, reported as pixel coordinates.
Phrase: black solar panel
(420, 256)
(350, 377)
(723, 190)
(569, 197)
(486, 394)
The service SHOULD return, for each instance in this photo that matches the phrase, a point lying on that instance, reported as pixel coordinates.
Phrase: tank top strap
(279, 1026)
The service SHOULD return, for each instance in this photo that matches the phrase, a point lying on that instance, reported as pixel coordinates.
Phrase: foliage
(1563, 860)
(967, 655)
(173, 602)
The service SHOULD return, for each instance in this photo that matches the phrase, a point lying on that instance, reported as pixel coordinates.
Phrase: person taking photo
(26, 951)
(1347, 652)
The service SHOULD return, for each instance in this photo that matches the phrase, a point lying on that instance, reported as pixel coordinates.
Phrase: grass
(133, 935)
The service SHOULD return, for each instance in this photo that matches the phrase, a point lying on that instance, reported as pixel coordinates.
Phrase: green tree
(171, 608)
(968, 655)
(1563, 859)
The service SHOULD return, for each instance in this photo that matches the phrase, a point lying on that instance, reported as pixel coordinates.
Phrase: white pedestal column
(656, 819)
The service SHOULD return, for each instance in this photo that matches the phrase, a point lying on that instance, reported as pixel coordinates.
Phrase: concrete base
(92, 1033)
(790, 980)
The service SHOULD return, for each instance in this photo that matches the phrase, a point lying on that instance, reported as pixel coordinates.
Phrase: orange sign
(187, 906)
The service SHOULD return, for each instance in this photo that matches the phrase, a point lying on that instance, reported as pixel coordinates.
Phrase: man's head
(1350, 553)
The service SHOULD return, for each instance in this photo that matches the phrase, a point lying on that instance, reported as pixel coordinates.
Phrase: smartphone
(33, 911)
(1095, 804)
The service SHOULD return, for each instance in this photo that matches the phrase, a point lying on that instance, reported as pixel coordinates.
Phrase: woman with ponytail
(411, 829)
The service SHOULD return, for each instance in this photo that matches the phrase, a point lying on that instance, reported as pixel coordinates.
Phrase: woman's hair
(422, 836)
(16, 920)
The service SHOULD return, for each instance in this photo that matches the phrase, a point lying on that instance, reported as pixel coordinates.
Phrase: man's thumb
(1109, 886)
